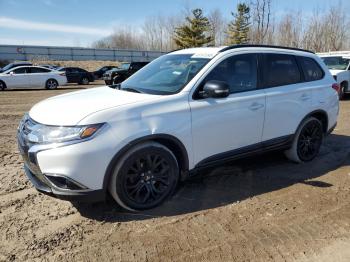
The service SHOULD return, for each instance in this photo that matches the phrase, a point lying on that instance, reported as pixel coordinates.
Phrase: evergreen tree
(194, 33)
(238, 29)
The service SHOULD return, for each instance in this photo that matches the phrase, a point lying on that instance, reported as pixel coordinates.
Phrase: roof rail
(267, 46)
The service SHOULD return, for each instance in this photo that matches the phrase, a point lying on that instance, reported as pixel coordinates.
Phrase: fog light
(63, 182)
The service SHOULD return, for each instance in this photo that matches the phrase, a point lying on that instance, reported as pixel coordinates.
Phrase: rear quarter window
(311, 69)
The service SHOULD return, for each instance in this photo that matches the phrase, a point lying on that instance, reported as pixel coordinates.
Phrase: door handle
(255, 106)
(305, 97)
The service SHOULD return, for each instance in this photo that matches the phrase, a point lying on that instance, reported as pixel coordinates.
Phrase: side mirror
(11, 73)
(216, 89)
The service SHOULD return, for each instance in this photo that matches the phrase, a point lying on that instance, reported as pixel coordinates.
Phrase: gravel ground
(258, 209)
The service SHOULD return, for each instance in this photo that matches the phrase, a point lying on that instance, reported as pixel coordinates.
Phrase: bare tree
(218, 27)
(261, 10)
(290, 30)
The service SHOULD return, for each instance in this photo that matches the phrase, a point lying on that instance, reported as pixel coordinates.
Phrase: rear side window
(239, 72)
(280, 70)
(39, 70)
(312, 70)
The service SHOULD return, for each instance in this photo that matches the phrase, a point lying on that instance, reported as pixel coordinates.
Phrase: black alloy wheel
(145, 178)
(310, 140)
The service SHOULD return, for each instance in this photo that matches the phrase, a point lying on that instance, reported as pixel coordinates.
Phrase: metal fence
(28, 52)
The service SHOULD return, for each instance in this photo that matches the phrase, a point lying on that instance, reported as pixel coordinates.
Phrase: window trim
(258, 74)
(303, 72)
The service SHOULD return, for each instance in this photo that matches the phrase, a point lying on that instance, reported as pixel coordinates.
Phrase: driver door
(222, 127)
(18, 78)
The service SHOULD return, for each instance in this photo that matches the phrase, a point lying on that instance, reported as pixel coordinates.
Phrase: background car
(99, 72)
(53, 67)
(339, 66)
(12, 65)
(116, 76)
(77, 75)
(31, 77)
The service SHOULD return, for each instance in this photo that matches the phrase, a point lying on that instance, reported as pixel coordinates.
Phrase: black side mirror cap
(215, 89)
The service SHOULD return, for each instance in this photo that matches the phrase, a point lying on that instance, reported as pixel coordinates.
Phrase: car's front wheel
(144, 177)
(307, 141)
(2, 86)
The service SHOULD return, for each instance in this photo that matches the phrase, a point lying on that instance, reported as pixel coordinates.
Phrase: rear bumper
(42, 184)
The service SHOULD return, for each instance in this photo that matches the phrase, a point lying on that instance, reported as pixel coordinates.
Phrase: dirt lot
(259, 209)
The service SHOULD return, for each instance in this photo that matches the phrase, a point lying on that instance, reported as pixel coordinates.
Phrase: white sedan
(31, 77)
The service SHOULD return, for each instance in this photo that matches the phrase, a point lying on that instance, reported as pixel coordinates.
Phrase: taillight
(336, 87)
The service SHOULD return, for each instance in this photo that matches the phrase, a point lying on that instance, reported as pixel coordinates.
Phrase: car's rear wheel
(2, 86)
(342, 91)
(84, 81)
(51, 84)
(144, 177)
(307, 141)
(108, 82)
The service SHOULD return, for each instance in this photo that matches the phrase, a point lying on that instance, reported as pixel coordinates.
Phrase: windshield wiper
(130, 89)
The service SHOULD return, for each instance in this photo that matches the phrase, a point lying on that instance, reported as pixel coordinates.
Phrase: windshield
(125, 66)
(336, 62)
(166, 75)
(7, 67)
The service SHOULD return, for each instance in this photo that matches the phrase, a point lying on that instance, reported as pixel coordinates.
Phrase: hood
(69, 109)
(334, 72)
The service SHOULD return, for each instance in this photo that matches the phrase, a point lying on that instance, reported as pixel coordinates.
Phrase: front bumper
(71, 171)
(108, 78)
(42, 184)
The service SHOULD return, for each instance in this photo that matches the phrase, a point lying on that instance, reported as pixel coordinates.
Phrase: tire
(84, 81)
(307, 141)
(342, 91)
(144, 177)
(2, 86)
(51, 84)
(108, 82)
(117, 80)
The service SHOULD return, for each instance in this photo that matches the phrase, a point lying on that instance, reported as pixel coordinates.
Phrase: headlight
(57, 134)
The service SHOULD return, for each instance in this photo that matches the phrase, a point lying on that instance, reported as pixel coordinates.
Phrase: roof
(209, 52)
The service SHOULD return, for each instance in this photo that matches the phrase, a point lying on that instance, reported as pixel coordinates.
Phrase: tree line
(251, 22)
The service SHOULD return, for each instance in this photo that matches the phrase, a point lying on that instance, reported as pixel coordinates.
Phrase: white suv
(185, 111)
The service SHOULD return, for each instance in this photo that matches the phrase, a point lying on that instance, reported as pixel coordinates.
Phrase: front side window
(239, 72)
(312, 71)
(280, 70)
(165, 75)
(21, 70)
(336, 62)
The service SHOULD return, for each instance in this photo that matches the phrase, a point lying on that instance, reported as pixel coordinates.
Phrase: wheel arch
(319, 114)
(171, 142)
(2, 81)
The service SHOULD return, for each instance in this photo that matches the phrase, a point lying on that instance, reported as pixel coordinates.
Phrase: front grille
(24, 145)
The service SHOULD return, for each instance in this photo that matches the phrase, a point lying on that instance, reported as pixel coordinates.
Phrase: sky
(81, 22)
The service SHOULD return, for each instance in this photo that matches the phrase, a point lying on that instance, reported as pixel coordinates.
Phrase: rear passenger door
(39, 76)
(288, 97)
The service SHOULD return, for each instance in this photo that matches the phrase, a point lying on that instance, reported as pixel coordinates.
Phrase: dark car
(77, 75)
(116, 76)
(99, 72)
(12, 65)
